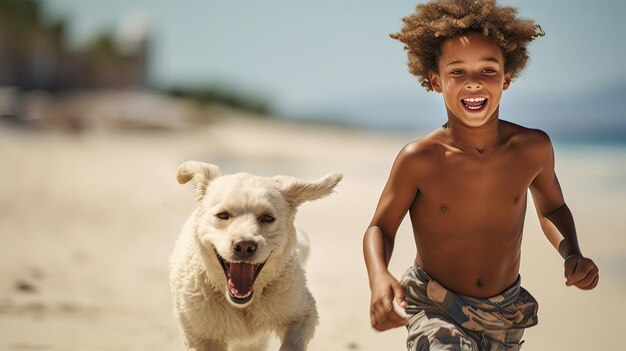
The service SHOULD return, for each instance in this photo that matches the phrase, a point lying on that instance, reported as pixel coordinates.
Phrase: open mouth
(474, 104)
(240, 277)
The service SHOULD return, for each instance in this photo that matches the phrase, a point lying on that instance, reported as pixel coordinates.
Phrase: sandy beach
(88, 220)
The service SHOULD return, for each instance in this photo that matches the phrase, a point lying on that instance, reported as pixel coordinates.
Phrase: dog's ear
(202, 173)
(297, 191)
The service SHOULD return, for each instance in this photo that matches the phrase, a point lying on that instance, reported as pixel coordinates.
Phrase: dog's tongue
(242, 276)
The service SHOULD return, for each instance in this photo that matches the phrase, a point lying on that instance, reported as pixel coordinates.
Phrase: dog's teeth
(238, 295)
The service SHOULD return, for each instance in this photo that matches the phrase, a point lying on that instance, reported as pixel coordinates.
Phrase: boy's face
(471, 77)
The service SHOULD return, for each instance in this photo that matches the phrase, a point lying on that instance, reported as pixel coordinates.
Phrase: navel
(479, 283)
(443, 208)
(516, 199)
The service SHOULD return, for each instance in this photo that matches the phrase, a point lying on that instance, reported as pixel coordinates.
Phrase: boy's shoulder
(425, 147)
(437, 142)
(419, 155)
(524, 136)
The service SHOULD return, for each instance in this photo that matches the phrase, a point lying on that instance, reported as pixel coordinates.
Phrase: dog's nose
(244, 249)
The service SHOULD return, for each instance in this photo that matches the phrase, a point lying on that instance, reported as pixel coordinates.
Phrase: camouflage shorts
(443, 320)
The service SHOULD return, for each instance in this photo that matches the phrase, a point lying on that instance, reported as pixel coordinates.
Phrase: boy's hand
(386, 291)
(581, 272)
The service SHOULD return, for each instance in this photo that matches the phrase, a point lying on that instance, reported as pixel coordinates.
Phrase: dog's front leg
(298, 333)
(208, 345)
(195, 342)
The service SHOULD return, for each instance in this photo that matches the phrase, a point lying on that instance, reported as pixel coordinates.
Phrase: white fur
(281, 303)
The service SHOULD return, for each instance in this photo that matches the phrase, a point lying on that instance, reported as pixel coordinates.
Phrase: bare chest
(482, 186)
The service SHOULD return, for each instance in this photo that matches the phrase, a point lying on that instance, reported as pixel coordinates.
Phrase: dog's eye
(266, 219)
(223, 215)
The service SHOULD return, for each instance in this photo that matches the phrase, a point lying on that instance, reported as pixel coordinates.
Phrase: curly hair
(438, 20)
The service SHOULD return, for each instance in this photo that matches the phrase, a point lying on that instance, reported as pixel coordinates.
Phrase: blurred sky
(335, 58)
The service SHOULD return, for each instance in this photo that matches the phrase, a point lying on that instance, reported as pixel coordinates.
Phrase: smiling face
(244, 225)
(471, 78)
(246, 219)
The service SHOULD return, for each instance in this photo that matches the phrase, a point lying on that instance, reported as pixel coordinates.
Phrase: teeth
(480, 99)
(235, 292)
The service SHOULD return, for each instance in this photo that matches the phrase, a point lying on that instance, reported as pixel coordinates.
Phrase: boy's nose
(473, 85)
(473, 82)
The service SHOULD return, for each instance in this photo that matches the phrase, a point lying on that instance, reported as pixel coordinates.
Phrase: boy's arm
(378, 241)
(557, 221)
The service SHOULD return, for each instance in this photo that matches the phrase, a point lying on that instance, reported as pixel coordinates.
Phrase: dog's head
(243, 220)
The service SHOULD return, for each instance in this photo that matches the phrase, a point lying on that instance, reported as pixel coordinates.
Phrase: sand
(88, 220)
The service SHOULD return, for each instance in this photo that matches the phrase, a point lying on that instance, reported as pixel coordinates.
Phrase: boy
(464, 186)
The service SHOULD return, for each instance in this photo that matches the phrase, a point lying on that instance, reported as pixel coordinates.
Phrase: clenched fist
(581, 272)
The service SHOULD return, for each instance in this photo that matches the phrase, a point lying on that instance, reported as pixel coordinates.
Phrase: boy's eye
(223, 215)
(457, 71)
(489, 70)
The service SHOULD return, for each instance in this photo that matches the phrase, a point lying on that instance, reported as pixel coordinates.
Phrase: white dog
(235, 274)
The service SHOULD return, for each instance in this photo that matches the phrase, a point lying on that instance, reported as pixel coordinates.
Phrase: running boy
(464, 187)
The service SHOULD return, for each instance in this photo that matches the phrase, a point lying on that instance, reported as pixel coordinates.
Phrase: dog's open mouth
(240, 277)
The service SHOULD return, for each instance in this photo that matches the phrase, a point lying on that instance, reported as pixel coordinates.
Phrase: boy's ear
(507, 81)
(435, 82)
